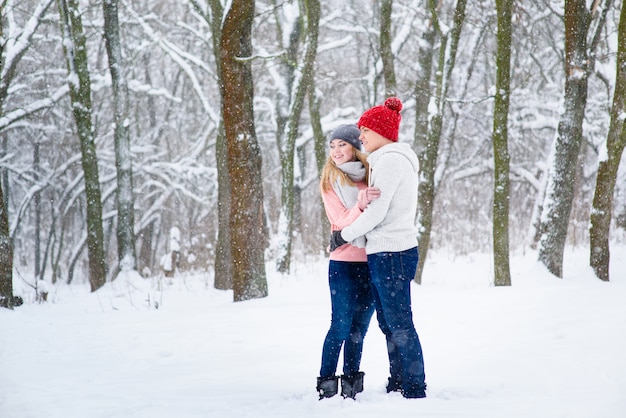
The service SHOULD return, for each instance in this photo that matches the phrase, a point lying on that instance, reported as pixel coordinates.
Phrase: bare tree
(501, 193)
(6, 255)
(599, 255)
(294, 78)
(123, 158)
(386, 50)
(223, 258)
(172, 59)
(196, 77)
(248, 236)
(429, 124)
(75, 47)
(12, 49)
(566, 148)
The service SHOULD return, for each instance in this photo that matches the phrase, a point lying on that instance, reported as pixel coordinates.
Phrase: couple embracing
(371, 202)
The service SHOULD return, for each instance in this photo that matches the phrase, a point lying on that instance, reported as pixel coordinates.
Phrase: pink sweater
(340, 217)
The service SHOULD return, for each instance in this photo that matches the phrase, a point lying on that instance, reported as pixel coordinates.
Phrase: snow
(544, 347)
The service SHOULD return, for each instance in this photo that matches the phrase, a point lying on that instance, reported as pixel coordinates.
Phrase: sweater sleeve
(338, 215)
(386, 178)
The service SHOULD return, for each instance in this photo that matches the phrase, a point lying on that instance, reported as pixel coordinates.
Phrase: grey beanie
(349, 133)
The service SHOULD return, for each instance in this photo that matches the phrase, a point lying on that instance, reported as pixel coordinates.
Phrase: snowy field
(545, 347)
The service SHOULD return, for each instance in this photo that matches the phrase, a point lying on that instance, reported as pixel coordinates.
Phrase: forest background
(125, 105)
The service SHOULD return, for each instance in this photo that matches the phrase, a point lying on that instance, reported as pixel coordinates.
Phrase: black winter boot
(327, 386)
(394, 385)
(352, 384)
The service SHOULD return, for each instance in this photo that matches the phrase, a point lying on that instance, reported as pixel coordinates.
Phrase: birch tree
(79, 80)
(123, 158)
(248, 236)
(501, 194)
(610, 157)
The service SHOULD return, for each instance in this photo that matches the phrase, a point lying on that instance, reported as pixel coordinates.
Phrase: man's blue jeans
(352, 310)
(392, 273)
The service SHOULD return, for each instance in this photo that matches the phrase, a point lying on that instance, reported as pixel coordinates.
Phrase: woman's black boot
(327, 386)
(352, 384)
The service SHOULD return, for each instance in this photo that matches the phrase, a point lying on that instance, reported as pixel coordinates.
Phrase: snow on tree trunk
(75, 48)
(609, 163)
(429, 121)
(560, 189)
(296, 82)
(123, 159)
(320, 156)
(248, 234)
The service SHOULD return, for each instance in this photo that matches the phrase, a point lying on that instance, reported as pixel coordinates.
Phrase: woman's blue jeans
(392, 273)
(352, 310)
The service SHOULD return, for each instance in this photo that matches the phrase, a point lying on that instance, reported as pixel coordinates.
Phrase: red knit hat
(384, 119)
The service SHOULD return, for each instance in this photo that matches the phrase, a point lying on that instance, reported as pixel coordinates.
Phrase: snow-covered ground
(545, 347)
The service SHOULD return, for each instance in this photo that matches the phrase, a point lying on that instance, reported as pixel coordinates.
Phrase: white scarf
(349, 195)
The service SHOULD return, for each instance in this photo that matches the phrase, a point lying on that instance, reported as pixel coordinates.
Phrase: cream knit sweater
(388, 223)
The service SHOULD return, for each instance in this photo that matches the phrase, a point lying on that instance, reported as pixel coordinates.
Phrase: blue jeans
(392, 273)
(352, 310)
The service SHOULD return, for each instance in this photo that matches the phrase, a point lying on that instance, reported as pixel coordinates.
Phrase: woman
(388, 224)
(345, 194)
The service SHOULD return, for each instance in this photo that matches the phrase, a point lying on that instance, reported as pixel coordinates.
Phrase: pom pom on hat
(349, 133)
(385, 119)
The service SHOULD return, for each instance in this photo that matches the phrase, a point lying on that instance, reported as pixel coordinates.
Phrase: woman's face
(341, 151)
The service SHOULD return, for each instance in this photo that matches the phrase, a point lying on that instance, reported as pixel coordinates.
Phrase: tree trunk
(386, 51)
(319, 146)
(75, 48)
(223, 270)
(285, 141)
(560, 190)
(428, 128)
(37, 199)
(426, 150)
(223, 276)
(6, 255)
(501, 193)
(12, 48)
(123, 157)
(298, 82)
(248, 236)
(223, 259)
(607, 171)
(4, 174)
(145, 261)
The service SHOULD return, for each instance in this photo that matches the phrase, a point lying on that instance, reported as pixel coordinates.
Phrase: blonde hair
(331, 173)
